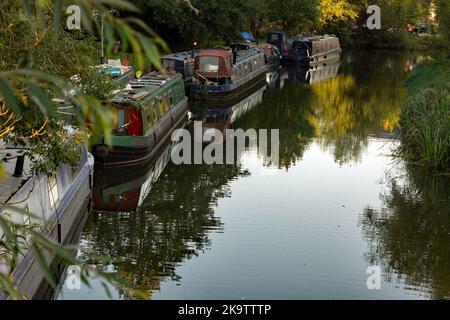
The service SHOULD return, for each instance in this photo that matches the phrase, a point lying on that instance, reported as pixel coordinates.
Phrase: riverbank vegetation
(218, 22)
(425, 116)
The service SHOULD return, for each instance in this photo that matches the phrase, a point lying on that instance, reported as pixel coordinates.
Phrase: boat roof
(145, 86)
(215, 53)
(181, 56)
(314, 38)
(244, 54)
(240, 55)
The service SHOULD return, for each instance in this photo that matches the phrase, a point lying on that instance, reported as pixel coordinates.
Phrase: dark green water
(338, 203)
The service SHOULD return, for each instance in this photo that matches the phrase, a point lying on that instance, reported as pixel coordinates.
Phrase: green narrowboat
(144, 113)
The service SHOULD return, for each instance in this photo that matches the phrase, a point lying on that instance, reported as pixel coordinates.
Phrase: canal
(338, 203)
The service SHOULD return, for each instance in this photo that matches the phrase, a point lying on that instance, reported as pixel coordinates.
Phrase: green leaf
(41, 14)
(7, 285)
(43, 266)
(15, 209)
(41, 99)
(151, 52)
(5, 226)
(27, 11)
(108, 292)
(55, 247)
(9, 97)
(40, 75)
(120, 4)
(57, 15)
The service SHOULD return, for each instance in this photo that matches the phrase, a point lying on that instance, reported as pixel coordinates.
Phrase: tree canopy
(216, 22)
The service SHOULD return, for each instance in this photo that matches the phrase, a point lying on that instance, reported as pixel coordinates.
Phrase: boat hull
(331, 57)
(226, 94)
(64, 226)
(129, 150)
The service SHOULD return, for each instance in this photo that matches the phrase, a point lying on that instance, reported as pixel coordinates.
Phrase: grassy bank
(425, 116)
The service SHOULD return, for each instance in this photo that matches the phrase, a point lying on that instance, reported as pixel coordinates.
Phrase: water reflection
(223, 117)
(341, 109)
(409, 234)
(123, 189)
(315, 74)
(304, 220)
(171, 225)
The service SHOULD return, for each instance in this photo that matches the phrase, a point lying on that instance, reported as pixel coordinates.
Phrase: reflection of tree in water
(410, 234)
(363, 99)
(339, 120)
(286, 110)
(172, 225)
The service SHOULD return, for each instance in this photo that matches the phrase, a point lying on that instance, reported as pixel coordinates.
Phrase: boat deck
(9, 184)
(140, 88)
(181, 56)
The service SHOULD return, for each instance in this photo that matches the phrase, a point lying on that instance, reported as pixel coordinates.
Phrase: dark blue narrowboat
(182, 63)
(315, 50)
(279, 40)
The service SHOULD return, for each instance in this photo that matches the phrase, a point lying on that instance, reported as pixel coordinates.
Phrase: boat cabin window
(209, 64)
(241, 71)
(167, 101)
(169, 64)
(148, 117)
(53, 193)
(120, 120)
(275, 37)
(161, 106)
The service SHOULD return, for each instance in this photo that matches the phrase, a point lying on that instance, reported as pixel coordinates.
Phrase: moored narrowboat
(182, 63)
(55, 205)
(315, 50)
(221, 74)
(272, 55)
(279, 40)
(119, 72)
(144, 114)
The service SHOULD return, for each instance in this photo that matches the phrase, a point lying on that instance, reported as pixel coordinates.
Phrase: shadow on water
(409, 234)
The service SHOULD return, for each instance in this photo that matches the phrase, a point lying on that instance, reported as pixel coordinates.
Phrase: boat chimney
(18, 170)
(234, 55)
(193, 50)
